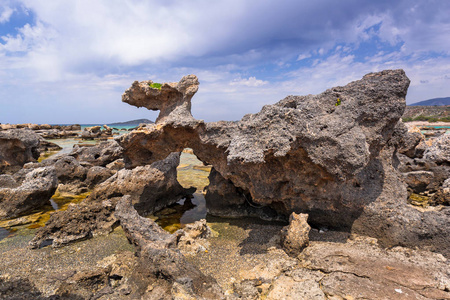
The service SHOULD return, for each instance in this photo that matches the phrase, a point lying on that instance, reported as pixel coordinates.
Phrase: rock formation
(150, 187)
(36, 190)
(295, 236)
(160, 258)
(17, 147)
(78, 222)
(172, 99)
(328, 155)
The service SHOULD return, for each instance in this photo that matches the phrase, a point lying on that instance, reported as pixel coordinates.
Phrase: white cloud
(95, 49)
(6, 14)
(303, 56)
(251, 81)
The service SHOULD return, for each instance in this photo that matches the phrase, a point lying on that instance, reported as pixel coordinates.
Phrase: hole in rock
(191, 172)
(45, 243)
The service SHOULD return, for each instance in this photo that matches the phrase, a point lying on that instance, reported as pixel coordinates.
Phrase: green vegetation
(155, 85)
(431, 119)
(338, 102)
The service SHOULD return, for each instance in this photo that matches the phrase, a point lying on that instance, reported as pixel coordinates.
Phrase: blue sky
(70, 61)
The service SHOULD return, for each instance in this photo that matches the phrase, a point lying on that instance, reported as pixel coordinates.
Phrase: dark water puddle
(4, 233)
(183, 212)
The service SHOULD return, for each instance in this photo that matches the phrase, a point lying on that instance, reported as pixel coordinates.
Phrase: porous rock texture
(78, 222)
(295, 236)
(333, 159)
(159, 258)
(150, 188)
(442, 196)
(171, 98)
(82, 168)
(17, 147)
(36, 190)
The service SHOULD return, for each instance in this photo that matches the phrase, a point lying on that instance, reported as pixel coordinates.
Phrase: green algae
(39, 217)
(418, 200)
(46, 155)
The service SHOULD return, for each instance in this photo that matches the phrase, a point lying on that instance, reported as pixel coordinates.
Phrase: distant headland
(132, 122)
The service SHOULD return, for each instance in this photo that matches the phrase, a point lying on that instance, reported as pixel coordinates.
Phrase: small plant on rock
(155, 85)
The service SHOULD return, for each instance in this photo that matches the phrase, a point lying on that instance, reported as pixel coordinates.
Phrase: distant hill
(131, 123)
(432, 102)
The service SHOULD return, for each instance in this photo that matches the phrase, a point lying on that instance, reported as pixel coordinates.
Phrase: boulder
(96, 175)
(295, 236)
(70, 172)
(439, 151)
(442, 196)
(35, 191)
(410, 138)
(78, 222)
(17, 147)
(300, 154)
(418, 180)
(45, 146)
(192, 238)
(98, 155)
(150, 187)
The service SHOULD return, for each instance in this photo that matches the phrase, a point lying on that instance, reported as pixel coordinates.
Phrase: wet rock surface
(78, 222)
(150, 188)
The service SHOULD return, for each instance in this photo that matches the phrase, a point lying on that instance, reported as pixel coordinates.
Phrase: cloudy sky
(70, 61)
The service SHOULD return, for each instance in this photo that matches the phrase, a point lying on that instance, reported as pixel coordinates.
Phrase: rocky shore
(331, 196)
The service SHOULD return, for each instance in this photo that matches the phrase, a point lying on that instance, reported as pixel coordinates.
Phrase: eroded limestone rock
(362, 270)
(159, 256)
(172, 99)
(295, 236)
(78, 222)
(151, 187)
(333, 159)
(17, 147)
(35, 191)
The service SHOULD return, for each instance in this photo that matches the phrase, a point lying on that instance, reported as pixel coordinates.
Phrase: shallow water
(4, 233)
(67, 144)
(187, 210)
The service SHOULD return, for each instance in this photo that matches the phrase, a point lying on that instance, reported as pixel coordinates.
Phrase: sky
(64, 62)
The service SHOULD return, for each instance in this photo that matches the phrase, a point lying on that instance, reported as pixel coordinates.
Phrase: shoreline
(425, 123)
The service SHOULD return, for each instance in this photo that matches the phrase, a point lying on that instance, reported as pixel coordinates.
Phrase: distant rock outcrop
(17, 147)
(131, 123)
(330, 155)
